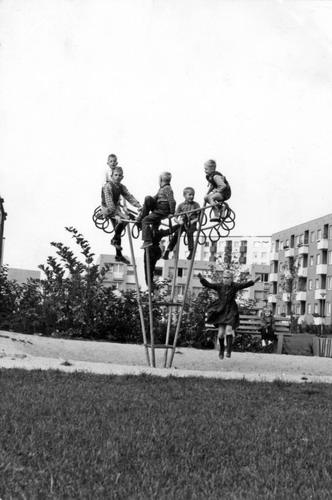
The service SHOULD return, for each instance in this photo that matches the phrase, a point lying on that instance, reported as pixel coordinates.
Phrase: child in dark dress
(223, 312)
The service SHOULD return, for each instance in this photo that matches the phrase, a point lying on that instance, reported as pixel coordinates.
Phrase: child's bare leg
(229, 340)
(221, 338)
(214, 199)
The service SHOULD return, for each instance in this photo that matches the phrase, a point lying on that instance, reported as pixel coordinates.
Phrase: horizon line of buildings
(306, 247)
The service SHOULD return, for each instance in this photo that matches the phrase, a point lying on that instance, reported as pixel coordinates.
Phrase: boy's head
(210, 166)
(117, 175)
(165, 178)
(267, 312)
(189, 194)
(227, 277)
(112, 161)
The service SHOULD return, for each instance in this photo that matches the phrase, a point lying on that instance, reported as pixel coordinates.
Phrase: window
(312, 236)
(236, 244)
(311, 260)
(330, 256)
(317, 284)
(329, 282)
(310, 285)
(331, 232)
(257, 244)
(298, 309)
(281, 245)
(278, 310)
(264, 255)
(297, 240)
(255, 255)
(316, 308)
(319, 234)
(301, 238)
(309, 308)
(318, 258)
(287, 243)
(328, 309)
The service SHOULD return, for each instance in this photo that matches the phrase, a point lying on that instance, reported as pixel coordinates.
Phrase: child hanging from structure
(188, 222)
(223, 312)
(111, 208)
(156, 208)
(219, 188)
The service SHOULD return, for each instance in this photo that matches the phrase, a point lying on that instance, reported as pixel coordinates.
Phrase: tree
(290, 284)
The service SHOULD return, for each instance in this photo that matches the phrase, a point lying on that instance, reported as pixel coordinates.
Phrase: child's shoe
(190, 255)
(121, 258)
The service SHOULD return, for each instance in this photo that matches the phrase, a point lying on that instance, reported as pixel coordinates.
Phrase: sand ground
(39, 352)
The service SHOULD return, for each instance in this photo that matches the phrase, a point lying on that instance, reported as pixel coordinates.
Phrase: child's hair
(117, 169)
(211, 164)
(188, 189)
(165, 176)
(112, 156)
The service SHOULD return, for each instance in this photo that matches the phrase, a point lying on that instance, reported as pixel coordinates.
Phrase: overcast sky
(165, 85)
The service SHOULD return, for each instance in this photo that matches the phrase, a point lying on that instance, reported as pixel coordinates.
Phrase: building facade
(251, 251)
(22, 275)
(301, 271)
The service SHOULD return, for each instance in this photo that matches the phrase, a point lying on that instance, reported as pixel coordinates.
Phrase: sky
(165, 85)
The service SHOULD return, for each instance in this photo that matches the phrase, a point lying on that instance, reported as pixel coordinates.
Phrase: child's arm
(130, 198)
(206, 283)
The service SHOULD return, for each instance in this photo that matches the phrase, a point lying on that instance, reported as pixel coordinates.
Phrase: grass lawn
(83, 436)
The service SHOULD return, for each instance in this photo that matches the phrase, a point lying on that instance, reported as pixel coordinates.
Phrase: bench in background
(252, 324)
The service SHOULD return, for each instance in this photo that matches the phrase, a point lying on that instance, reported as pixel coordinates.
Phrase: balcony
(274, 256)
(117, 276)
(323, 244)
(286, 297)
(320, 294)
(321, 269)
(289, 252)
(272, 299)
(301, 296)
(273, 277)
(302, 272)
(303, 249)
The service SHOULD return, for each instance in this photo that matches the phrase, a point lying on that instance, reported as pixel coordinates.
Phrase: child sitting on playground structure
(188, 222)
(112, 162)
(111, 208)
(156, 208)
(219, 188)
(223, 312)
(268, 326)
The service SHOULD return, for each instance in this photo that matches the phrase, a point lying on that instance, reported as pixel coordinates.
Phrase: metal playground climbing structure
(206, 230)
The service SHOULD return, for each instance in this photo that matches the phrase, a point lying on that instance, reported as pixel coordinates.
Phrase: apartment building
(21, 276)
(307, 249)
(251, 251)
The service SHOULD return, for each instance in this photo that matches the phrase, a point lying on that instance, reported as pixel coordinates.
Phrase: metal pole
(169, 322)
(187, 286)
(139, 300)
(147, 250)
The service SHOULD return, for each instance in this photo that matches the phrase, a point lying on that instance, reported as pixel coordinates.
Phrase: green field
(82, 436)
